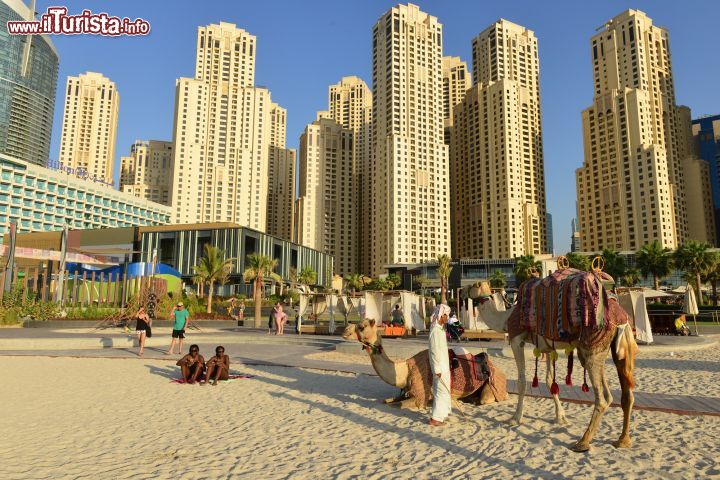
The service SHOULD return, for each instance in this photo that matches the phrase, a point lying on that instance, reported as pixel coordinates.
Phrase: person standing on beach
(218, 367)
(180, 316)
(280, 318)
(440, 366)
(192, 365)
(142, 327)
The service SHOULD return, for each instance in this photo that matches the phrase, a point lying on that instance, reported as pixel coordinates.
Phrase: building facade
(706, 135)
(147, 171)
(28, 80)
(89, 127)
(408, 170)
(181, 246)
(630, 189)
(42, 199)
(456, 81)
(350, 106)
(281, 178)
(496, 164)
(574, 236)
(328, 196)
(221, 134)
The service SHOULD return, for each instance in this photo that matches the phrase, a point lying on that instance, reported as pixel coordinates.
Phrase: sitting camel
(592, 345)
(413, 375)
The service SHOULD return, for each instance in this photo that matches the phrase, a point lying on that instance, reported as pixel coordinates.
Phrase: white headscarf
(440, 310)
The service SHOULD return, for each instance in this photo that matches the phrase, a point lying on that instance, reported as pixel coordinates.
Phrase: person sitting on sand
(192, 365)
(218, 366)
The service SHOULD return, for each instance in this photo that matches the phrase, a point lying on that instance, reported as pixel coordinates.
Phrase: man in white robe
(440, 366)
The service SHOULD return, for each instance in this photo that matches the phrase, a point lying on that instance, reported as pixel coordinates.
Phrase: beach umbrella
(690, 305)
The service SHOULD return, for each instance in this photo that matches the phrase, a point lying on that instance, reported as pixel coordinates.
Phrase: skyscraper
(147, 171)
(222, 133)
(350, 106)
(89, 125)
(281, 178)
(706, 133)
(327, 198)
(630, 189)
(28, 80)
(409, 208)
(496, 162)
(456, 81)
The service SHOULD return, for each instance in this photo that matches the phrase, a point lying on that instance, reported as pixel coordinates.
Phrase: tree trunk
(443, 291)
(699, 292)
(657, 282)
(714, 290)
(257, 296)
(209, 299)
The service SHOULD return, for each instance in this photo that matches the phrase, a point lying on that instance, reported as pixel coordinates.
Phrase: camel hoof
(561, 421)
(581, 447)
(514, 421)
(623, 443)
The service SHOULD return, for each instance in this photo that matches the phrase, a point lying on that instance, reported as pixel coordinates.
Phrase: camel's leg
(517, 344)
(627, 400)
(559, 411)
(404, 404)
(399, 398)
(594, 363)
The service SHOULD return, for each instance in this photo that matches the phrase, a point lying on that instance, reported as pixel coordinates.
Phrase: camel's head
(365, 332)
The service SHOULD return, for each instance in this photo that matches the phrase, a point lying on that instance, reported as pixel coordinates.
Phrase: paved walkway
(254, 348)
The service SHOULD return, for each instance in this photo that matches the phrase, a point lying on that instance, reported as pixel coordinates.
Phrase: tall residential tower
(281, 178)
(147, 171)
(630, 189)
(496, 162)
(409, 208)
(89, 125)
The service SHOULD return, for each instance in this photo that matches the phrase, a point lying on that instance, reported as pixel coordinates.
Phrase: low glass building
(181, 246)
(43, 199)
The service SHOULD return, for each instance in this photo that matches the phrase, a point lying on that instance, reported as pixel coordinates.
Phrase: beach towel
(231, 378)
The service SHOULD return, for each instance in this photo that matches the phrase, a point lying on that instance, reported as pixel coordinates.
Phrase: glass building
(706, 131)
(28, 79)
(42, 199)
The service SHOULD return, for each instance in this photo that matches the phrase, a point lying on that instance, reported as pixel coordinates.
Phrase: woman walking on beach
(218, 367)
(280, 318)
(142, 328)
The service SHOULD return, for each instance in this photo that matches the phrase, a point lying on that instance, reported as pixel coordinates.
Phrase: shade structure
(633, 302)
(690, 305)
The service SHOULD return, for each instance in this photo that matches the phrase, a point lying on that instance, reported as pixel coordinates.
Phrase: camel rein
(367, 346)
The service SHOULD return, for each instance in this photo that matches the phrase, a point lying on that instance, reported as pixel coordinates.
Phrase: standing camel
(592, 343)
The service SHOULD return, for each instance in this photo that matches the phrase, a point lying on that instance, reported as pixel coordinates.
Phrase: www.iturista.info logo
(56, 21)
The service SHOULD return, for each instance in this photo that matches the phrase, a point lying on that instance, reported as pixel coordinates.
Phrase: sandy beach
(122, 418)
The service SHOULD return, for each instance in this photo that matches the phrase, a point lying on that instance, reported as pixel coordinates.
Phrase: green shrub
(90, 312)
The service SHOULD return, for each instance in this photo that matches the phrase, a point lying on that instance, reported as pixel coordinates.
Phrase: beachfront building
(221, 134)
(497, 181)
(28, 79)
(408, 170)
(706, 134)
(630, 189)
(350, 105)
(696, 174)
(281, 178)
(147, 171)
(574, 236)
(181, 246)
(456, 81)
(42, 199)
(89, 127)
(327, 204)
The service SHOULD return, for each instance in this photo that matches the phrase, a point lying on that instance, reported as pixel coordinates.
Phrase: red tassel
(535, 382)
(585, 387)
(568, 380)
(554, 389)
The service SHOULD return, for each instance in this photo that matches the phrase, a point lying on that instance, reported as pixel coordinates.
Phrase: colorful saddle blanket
(561, 304)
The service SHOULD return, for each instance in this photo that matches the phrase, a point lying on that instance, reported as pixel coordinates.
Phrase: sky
(305, 46)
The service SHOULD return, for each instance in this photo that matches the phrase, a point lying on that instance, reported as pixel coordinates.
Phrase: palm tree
(696, 260)
(713, 276)
(212, 268)
(257, 268)
(498, 279)
(580, 262)
(656, 260)
(423, 281)
(393, 280)
(354, 282)
(614, 264)
(444, 269)
(524, 265)
(307, 276)
(198, 279)
(631, 277)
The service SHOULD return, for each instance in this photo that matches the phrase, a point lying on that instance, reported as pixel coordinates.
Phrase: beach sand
(122, 418)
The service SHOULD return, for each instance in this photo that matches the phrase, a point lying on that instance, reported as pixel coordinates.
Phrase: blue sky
(304, 46)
